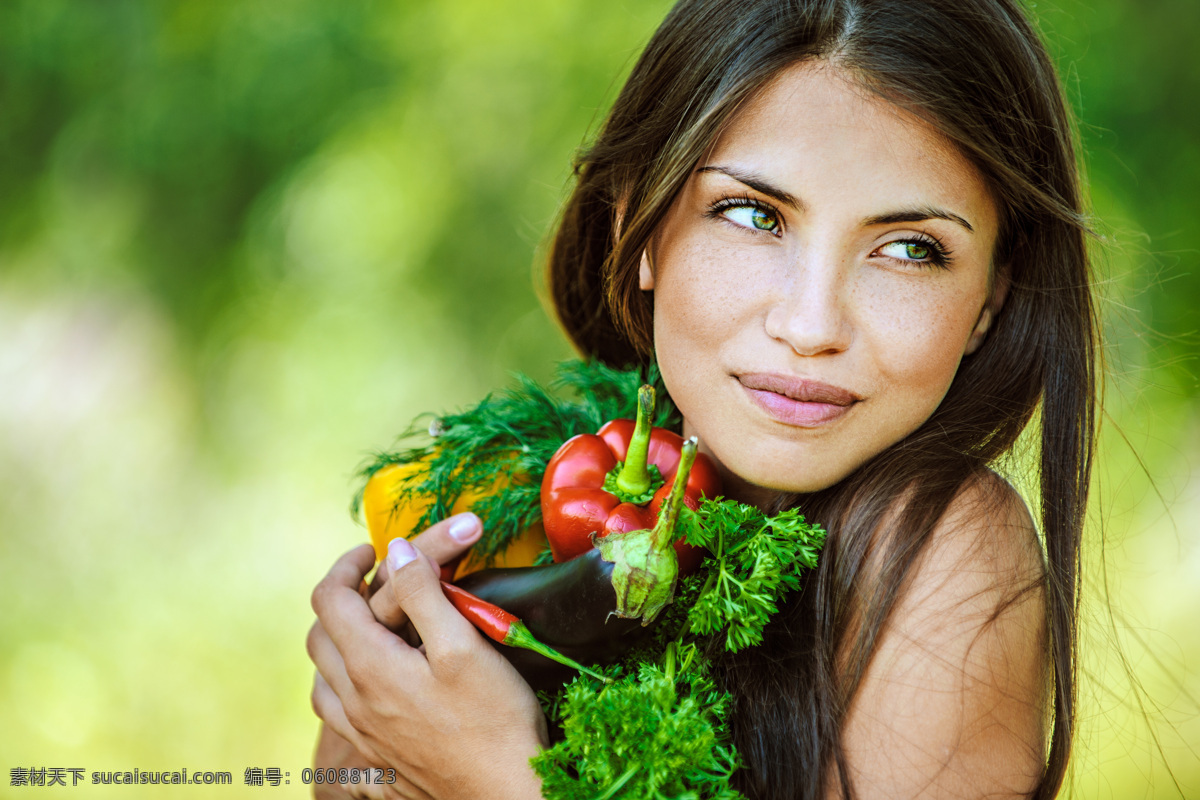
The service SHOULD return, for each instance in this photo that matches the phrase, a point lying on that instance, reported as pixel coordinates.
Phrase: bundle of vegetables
(491, 458)
(660, 728)
(636, 534)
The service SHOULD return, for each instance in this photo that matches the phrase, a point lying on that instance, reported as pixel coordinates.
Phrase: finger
(444, 543)
(349, 570)
(365, 655)
(342, 611)
(449, 538)
(334, 751)
(383, 604)
(442, 629)
(377, 580)
(329, 708)
(399, 789)
(364, 791)
(389, 615)
(392, 617)
(328, 660)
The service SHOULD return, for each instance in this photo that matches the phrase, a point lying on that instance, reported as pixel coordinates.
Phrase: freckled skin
(830, 298)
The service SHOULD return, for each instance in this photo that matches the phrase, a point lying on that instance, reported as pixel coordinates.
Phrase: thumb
(417, 591)
(383, 603)
(447, 541)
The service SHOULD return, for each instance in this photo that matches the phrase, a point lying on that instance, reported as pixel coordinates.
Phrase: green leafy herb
(657, 732)
(545, 556)
(756, 559)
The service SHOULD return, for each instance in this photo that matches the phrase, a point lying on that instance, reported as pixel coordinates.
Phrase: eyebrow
(764, 186)
(917, 215)
(757, 183)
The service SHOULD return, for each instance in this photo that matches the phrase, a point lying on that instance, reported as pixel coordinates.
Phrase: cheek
(691, 305)
(917, 339)
(710, 293)
(707, 317)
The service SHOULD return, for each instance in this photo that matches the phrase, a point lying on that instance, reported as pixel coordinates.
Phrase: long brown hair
(976, 70)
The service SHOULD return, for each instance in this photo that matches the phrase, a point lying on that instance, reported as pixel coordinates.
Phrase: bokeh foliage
(243, 242)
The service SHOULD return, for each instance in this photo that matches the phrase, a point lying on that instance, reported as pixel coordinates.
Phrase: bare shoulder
(984, 550)
(953, 702)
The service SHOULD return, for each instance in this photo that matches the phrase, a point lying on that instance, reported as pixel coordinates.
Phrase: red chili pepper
(616, 481)
(500, 626)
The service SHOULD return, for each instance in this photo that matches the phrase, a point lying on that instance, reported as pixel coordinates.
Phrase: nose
(811, 314)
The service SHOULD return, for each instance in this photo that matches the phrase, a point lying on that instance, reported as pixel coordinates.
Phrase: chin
(801, 483)
(799, 475)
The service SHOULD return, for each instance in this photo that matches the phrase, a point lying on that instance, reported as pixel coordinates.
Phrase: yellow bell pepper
(385, 520)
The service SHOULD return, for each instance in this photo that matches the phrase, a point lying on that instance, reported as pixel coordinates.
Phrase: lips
(795, 401)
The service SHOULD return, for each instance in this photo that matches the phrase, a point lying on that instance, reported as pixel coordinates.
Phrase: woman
(851, 234)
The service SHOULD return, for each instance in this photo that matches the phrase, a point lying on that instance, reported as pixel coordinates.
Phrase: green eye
(753, 217)
(910, 251)
(764, 221)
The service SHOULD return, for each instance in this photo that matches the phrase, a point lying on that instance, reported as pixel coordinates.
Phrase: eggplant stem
(645, 565)
(663, 534)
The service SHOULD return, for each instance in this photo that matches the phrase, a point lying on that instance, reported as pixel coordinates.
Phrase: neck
(760, 497)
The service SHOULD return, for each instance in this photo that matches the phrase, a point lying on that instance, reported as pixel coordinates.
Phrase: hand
(453, 717)
(334, 752)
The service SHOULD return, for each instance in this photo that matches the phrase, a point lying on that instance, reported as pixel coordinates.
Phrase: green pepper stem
(519, 636)
(663, 535)
(634, 478)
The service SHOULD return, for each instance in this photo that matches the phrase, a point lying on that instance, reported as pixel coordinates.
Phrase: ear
(989, 311)
(646, 273)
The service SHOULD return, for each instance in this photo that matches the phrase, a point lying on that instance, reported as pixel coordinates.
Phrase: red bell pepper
(616, 481)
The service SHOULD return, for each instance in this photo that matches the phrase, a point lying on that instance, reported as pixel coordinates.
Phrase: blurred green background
(243, 243)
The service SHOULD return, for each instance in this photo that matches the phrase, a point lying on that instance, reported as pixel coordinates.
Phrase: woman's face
(817, 282)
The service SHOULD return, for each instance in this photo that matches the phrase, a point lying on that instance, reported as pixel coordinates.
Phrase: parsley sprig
(658, 731)
(756, 560)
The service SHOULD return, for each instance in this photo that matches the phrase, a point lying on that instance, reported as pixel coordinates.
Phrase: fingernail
(464, 528)
(400, 552)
